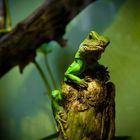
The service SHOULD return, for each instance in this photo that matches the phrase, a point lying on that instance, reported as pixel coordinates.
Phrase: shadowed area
(122, 138)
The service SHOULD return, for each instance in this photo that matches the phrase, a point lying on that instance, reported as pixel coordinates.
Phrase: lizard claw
(61, 120)
(88, 78)
(83, 83)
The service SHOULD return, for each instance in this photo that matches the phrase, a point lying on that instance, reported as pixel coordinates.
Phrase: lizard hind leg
(59, 114)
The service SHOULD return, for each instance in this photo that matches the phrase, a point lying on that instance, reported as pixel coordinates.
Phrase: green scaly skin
(87, 56)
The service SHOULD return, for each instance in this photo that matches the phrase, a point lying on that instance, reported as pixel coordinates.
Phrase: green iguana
(87, 56)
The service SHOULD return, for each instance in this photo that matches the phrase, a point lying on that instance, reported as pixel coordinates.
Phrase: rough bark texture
(90, 112)
(45, 24)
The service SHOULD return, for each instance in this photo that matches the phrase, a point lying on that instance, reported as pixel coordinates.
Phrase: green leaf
(45, 49)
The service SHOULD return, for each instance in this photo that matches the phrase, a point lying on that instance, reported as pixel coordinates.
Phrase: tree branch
(47, 23)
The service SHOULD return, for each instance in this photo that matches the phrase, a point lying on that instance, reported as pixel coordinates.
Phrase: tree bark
(89, 112)
(45, 24)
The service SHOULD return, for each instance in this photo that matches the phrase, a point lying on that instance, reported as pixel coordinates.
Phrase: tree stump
(89, 112)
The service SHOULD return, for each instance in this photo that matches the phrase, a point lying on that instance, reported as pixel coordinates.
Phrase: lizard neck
(90, 60)
(87, 59)
(78, 55)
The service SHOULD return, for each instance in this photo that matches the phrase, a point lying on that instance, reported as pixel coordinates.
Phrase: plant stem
(50, 72)
(8, 16)
(43, 77)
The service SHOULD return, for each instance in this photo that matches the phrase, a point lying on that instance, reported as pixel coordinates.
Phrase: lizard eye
(90, 36)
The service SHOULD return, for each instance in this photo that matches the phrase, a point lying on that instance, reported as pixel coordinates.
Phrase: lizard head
(93, 46)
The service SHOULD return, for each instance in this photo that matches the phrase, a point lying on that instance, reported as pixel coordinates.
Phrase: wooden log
(90, 112)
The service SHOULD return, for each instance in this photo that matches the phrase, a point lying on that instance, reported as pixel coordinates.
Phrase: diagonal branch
(47, 23)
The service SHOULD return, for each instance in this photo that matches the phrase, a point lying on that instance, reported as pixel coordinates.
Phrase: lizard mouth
(91, 48)
(100, 48)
